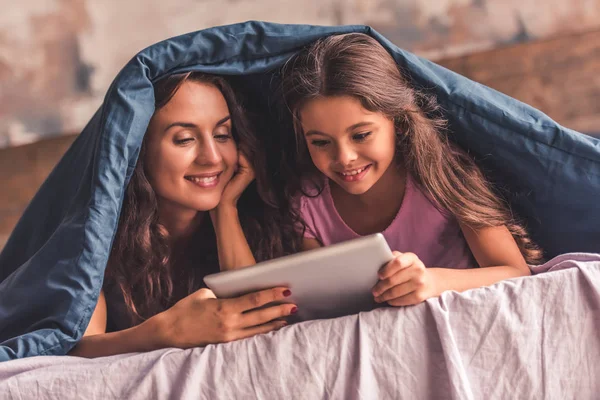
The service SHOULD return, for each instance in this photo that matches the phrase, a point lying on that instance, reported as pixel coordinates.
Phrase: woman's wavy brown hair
(357, 65)
(150, 274)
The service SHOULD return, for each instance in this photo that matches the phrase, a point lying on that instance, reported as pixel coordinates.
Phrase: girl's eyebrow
(359, 125)
(349, 129)
(191, 125)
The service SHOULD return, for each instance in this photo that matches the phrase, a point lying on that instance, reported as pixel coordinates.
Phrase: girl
(374, 159)
(182, 216)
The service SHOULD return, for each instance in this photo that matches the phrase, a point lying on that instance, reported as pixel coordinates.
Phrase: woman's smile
(205, 181)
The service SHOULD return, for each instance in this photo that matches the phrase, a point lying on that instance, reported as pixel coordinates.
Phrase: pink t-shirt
(419, 227)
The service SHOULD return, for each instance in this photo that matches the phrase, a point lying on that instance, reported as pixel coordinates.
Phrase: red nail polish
(287, 293)
(294, 310)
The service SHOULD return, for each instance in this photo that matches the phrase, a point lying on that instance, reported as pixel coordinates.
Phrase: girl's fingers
(401, 276)
(401, 261)
(407, 300)
(265, 315)
(397, 291)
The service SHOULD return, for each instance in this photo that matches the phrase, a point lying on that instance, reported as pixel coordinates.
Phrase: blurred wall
(58, 57)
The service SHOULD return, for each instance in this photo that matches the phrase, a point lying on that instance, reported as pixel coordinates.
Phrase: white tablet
(326, 282)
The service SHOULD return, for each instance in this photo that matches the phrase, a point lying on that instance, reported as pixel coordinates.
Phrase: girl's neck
(374, 210)
(387, 192)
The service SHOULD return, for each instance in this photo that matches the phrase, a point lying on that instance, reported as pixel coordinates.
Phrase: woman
(182, 217)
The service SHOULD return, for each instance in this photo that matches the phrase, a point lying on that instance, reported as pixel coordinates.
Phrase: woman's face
(191, 154)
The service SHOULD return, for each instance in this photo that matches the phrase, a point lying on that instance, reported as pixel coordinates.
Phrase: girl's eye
(319, 143)
(360, 137)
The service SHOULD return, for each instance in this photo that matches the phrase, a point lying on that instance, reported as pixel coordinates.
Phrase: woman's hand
(201, 319)
(405, 281)
(238, 183)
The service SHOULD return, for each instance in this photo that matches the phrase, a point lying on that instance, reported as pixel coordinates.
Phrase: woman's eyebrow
(191, 125)
(223, 120)
(182, 125)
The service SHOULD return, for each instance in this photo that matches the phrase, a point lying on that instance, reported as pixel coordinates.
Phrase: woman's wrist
(158, 331)
(226, 209)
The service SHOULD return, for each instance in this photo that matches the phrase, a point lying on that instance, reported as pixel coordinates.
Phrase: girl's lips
(355, 177)
(204, 180)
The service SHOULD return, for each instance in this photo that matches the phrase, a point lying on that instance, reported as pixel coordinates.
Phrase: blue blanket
(52, 267)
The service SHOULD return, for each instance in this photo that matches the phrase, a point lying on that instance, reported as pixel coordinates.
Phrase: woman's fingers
(257, 330)
(258, 299)
(264, 315)
(205, 294)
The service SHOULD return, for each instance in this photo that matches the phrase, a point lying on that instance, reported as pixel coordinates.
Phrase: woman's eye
(223, 137)
(183, 141)
(319, 143)
(360, 137)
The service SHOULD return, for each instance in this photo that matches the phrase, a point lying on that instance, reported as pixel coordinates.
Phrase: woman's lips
(204, 180)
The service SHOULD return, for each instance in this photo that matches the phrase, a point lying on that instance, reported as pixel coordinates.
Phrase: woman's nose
(209, 153)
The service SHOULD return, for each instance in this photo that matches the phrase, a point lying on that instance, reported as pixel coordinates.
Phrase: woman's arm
(96, 342)
(98, 321)
(232, 245)
(197, 320)
(405, 280)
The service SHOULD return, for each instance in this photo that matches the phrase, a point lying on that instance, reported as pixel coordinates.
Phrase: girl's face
(191, 154)
(347, 143)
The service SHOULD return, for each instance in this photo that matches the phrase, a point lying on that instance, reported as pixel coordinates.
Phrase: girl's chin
(355, 188)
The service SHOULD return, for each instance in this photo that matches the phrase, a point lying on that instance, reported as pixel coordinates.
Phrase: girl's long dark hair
(144, 266)
(357, 65)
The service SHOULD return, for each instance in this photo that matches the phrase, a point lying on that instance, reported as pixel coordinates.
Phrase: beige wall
(58, 57)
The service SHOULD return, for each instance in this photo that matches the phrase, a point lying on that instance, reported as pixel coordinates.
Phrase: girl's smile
(355, 175)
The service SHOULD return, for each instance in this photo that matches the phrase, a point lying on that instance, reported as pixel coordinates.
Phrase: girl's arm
(310, 243)
(232, 245)
(497, 254)
(406, 281)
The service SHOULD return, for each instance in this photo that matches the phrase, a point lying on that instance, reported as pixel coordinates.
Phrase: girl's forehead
(337, 115)
(324, 104)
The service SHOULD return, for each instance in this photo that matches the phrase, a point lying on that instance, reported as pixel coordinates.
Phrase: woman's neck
(180, 225)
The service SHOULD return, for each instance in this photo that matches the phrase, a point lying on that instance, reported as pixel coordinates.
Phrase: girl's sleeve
(308, 218)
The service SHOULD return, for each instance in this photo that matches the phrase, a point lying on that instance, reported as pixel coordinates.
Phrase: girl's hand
(238, 183)
(201, 319)
(405, 281)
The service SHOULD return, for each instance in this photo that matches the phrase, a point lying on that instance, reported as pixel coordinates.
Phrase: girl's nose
(346, 155)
